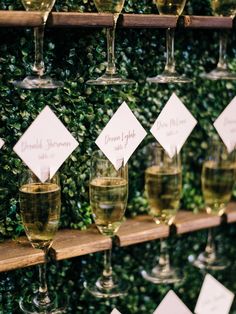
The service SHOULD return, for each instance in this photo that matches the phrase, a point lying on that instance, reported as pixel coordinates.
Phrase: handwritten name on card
(121, 136)
(122, 140)
(225, 125)
(173, 126)
(1, 143)
(171, 304)
(46, 143)
(214, 298)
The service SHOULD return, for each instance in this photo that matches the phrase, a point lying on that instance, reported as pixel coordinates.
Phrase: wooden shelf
(18, 254)
(140, 229)
(20, 19)
(74, 19)
(188, 222)
(147, 21)
(72, 243)
(207, 22)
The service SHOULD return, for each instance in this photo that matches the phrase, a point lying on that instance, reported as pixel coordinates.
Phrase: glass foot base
(158, 276)
(36, 82)
(219, 74)
(57, 306)
(203, 261)
(110, 80)
(118, 289)
(167, 77)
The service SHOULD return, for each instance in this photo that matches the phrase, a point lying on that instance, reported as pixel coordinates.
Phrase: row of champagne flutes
(111, 77)
(108, 192)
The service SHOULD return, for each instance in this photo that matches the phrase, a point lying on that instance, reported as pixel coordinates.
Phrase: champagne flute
(218, 178)
(38, 79)
(222, 8)
(40, 206)
(110, 77)
(108, 190)
(169, 75)
(163, 185)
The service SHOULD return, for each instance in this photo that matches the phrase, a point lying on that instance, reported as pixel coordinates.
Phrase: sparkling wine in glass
(38, 79)
(222, 8)
(40, 206)
(169, 75)
(108, 191)
(218, 178)
(110, 77)
(163, 185)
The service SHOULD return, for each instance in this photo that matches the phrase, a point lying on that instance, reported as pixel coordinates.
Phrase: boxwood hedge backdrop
(73, 56)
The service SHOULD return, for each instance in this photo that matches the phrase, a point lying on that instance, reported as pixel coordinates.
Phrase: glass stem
(106, 281)
(210, 249)
(38, 66)
(164, 258)
(42, 299)
(111, 67)
(223, 40)
(170, 59)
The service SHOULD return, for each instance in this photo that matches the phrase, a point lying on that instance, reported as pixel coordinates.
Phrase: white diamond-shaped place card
(1, 143)
(171, 304)
(225, 125)
(173, 125)
(121, 136)
(214, 298)
(46, 144)
(115, 311)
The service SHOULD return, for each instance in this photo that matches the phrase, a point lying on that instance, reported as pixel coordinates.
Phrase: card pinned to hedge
(121, 136)
(173, 125)
(115, 311)
(46, 144)
(172, 304)
(1, 143)
(225, 125)
(214, 298)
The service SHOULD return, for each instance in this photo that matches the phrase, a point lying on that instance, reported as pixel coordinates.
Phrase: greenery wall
(73, 56)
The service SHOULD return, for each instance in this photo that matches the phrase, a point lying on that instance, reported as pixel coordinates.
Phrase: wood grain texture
(140, 229)
(72, 243)
(20, 19)
(208, 22)
(188, 221)
(18, 254)
(147, 21)
(74, 19)
(231, 212)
